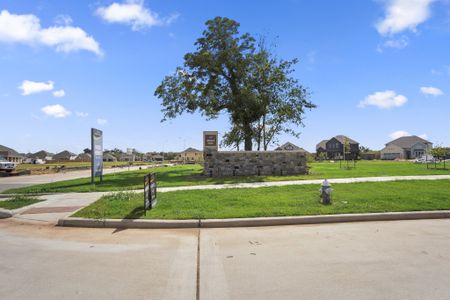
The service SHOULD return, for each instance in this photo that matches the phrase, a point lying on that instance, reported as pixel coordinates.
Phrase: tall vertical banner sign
(96, 154)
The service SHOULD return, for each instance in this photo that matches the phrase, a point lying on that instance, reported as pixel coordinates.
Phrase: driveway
(373, 260)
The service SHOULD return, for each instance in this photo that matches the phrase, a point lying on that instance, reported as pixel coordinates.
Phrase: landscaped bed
(18, 202)
(188, 175)
(276, 201)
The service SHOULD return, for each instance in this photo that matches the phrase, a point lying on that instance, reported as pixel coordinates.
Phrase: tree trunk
(259, 135)
(264, 132)
(248, 145)
(248, 137)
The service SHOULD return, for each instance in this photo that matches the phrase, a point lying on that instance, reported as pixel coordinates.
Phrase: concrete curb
(127, 223)
(5, 213)
(252, 222)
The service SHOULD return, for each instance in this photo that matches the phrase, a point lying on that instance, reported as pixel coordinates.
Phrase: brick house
(334, 148)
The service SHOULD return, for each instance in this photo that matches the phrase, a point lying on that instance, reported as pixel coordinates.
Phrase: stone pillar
(210, 146)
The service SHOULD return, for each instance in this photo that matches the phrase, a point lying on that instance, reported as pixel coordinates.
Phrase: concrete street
(373, 260)
(27, 180)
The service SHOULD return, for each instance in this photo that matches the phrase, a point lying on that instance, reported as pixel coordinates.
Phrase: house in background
(109, 157)
(127, 157)
(334, 148)
(190, 155)
(290, 147)
(157, 157)
(10, 155)
(406, 147)
(42, 155)
(85, 157)
(64, 156)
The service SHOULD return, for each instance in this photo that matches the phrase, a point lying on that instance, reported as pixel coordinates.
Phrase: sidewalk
(301, 182)
(56, 206)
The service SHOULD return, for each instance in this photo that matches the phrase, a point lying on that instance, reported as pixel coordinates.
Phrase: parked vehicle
(425, 159)
(6, 165)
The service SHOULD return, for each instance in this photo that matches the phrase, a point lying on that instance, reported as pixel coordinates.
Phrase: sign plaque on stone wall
(210, 141)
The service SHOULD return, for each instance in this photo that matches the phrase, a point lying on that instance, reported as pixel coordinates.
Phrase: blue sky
(376, 69)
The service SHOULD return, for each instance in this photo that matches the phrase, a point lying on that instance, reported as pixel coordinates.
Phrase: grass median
(18, 202)
(188, 175)
(276, 201)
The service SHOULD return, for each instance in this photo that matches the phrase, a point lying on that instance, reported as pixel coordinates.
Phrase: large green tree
(282, 99)
(224, 74)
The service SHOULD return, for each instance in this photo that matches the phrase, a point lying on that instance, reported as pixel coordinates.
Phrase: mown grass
(276, 201)
(188, 175)
(18, 201)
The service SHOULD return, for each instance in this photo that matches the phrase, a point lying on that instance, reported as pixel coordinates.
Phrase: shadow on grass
(136, 213)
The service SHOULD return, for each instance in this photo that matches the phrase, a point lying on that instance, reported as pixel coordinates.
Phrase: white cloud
(63, 20)
(384, 100)
(398, 134)
(102, 121)
(59, 93)
(423, 136)
(134, 13)
(56, 111)
(436, 72)
(32, 87)
(81, 114)
(26, 29)
(429, 90)
(398, 43)
(403, 15)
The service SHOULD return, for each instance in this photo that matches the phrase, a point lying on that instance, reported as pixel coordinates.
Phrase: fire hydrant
(325, 192)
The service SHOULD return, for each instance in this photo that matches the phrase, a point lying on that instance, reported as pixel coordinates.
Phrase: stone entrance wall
(240, 163)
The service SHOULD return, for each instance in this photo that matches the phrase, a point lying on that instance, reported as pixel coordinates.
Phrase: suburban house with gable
(406, 147)
(10, 155)
(190, 155)
(290, 147)
(334, 148)
(43, 155)
(64, 156)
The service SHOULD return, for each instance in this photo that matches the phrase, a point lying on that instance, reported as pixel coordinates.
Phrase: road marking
(197, 294)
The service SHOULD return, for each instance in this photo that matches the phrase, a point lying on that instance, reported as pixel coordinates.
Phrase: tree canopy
(228, 72)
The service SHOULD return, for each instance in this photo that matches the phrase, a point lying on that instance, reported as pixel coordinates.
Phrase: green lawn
(277, 201)
(18, 202)
(185, 175)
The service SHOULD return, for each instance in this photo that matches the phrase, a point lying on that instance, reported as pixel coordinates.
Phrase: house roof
(108, 155)
(342, 138)
(64, 153)
(11, 152)
(287, 144)
(322, 144)
(408, 141)
(42, 154)
(191, 150)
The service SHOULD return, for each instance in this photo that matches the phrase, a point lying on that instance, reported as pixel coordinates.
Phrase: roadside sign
(149, 191)
(96, 154)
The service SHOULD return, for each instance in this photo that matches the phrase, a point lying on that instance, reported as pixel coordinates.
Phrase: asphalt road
(374, 260)
(27, 180)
